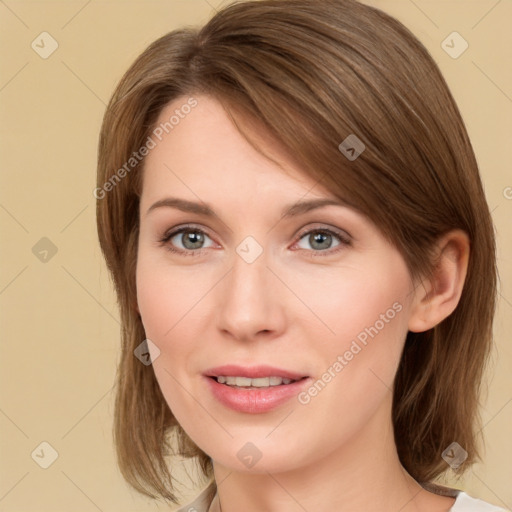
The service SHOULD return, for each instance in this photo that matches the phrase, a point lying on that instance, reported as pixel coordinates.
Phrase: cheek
(166, 295)
(354, 303)
(371, 324)
(156, 305)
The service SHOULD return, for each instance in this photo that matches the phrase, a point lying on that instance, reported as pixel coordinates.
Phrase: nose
(251, 303)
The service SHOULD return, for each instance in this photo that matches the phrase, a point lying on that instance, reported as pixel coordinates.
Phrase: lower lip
(255, 401)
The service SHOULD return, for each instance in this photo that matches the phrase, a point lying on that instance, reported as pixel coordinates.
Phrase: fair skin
(298, 306)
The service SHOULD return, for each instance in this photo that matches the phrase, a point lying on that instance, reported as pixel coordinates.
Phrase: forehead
(199, 151)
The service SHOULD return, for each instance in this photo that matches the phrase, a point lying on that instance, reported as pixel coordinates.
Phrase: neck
(363, 474)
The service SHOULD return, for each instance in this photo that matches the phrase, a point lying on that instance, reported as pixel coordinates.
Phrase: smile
(255, 389)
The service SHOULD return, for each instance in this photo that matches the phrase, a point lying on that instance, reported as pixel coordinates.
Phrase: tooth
(275, 381)
(287, 381)
(262, 382)
(242, 381)
(221, 379)
(231, 381)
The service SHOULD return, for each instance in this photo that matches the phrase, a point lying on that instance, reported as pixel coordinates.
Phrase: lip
(254, 401)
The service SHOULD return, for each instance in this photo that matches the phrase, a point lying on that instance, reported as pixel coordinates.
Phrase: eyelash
(344, 241)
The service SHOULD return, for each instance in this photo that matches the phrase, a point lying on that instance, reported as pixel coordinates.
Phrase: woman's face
(263, 272)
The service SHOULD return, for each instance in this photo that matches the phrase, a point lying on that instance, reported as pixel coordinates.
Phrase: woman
(292, 214)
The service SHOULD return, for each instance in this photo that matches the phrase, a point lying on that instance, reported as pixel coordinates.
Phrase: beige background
(59, 321)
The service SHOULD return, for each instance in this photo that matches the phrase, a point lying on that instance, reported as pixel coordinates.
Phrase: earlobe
(438, 295)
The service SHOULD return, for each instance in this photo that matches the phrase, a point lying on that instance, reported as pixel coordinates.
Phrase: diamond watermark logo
(44, 45)
(249, 250)
(44, 250)
(147, 352)
(454, 45)
(44, 455)
(352, 147)
(454, 455)
(249, 455)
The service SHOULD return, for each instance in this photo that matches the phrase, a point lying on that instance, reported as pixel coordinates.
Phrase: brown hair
(312, 73)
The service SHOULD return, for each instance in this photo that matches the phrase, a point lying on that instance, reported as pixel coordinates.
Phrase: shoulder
(202, 501)
(465, 503)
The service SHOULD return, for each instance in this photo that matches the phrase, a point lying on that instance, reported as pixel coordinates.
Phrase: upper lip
(252, 372)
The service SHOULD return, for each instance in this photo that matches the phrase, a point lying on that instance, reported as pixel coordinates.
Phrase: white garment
(463, 503)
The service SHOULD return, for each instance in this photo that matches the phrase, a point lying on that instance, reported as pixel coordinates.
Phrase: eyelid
(183, 227)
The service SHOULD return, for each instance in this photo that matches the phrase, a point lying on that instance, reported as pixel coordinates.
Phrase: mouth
(254, 389)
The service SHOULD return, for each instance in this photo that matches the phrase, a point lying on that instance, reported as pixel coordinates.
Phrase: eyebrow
(200, 208)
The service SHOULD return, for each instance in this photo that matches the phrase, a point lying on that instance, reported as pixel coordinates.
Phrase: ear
(437, 296)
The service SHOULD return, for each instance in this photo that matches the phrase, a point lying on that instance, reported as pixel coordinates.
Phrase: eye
(187, 239)
(322, 240)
